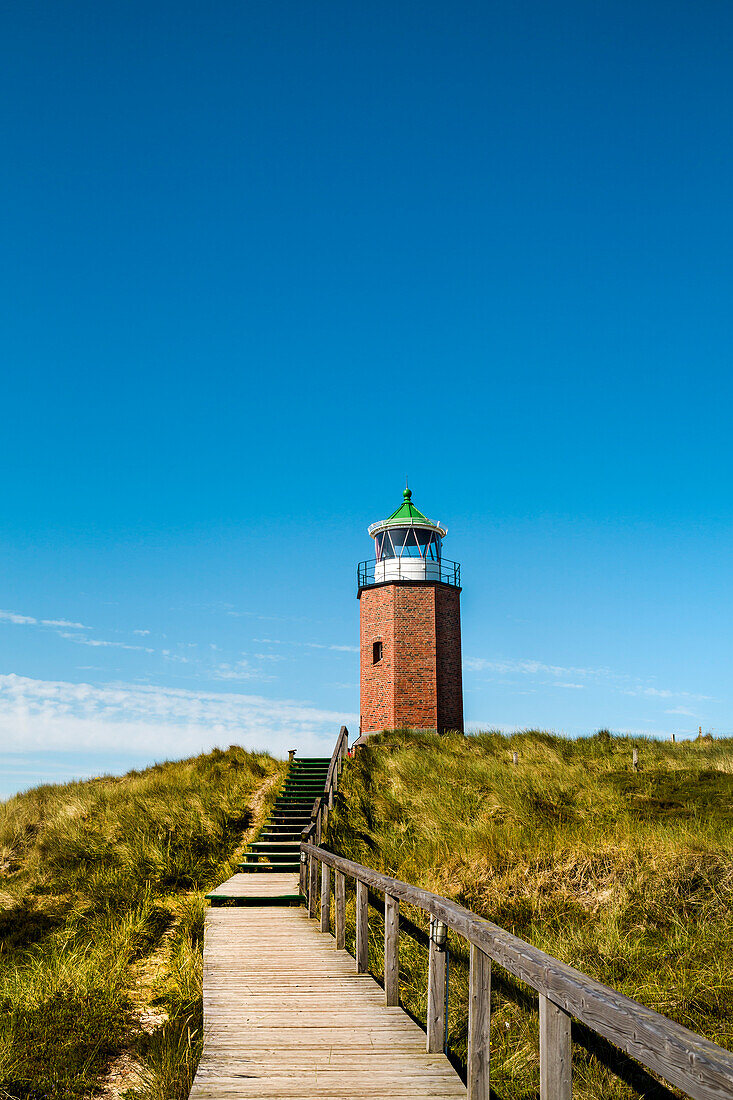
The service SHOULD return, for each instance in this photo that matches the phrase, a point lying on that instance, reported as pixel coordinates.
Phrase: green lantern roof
(407, 515)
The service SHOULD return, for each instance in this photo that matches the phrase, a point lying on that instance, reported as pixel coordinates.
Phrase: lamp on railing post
(437, 986)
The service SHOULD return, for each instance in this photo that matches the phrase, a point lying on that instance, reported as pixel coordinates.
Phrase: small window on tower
(376, 652)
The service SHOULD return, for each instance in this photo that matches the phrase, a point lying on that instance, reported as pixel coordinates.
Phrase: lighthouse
(410, 624)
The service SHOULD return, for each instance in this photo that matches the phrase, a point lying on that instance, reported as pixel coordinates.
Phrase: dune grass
(626, 876)
(101, 921)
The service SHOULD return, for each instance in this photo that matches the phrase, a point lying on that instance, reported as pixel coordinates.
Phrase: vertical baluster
(436, 987)
(340, 891)
(391, 950)
(325, 898)
(479, 1020)
(555, 1052)
(362, 928)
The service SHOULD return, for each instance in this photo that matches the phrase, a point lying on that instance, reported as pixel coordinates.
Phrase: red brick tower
(410, 627)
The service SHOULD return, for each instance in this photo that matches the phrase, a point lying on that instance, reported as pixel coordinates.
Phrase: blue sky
(262, 260)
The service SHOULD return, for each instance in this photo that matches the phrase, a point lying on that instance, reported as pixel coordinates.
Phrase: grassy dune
(626, 876)
(101, 923)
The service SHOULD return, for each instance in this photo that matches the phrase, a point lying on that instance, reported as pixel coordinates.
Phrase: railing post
(325, 898)
(391, 950)
(479, 1020)
(340, 892)
(436, 987)
(362, 928)
(302, 876)
(312, 886)
(555, 1052)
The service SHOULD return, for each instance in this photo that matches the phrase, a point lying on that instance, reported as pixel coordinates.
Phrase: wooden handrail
(702, 1069)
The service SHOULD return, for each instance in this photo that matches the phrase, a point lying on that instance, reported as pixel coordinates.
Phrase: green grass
(626, 876)
(101, 919)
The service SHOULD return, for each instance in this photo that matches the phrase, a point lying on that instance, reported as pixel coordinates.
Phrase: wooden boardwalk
(287, 1016)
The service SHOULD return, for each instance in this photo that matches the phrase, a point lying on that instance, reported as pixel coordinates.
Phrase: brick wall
(418, 681)
(449, 664)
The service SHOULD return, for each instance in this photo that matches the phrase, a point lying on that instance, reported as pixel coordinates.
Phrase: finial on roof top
(407, 491)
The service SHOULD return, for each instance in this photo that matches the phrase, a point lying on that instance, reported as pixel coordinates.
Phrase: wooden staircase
(277, 848)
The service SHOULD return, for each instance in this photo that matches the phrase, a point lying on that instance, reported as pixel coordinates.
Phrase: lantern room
(408, 547)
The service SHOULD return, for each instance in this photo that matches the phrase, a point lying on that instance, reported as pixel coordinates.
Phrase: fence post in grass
(635, 760)
(325, 898)
(515, 758)
(555, 1052)
(479, 1021)
(673, 739)
(391, 950)
(362, 928)
(312, 886)
(436, 987)
(340, 892)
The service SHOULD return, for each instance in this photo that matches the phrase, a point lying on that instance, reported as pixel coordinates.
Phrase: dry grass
(628, 877)
(101, 922)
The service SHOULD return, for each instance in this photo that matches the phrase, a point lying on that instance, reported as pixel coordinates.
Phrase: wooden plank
(479, 1021)
(555, 1052)
(701, 1069)
(362, 928)
(436, 998)
(340, 891)
(325, 898)
(258, 885)
(391, 950)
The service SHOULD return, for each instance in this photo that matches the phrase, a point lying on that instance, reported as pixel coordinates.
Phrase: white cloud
(309, 645)
(549, 674)
(64, 622)
(664, 693)
(142, 633)
(29, 620)
(242, 670)
(82, 639)
(20, 620)
(44, 715)
(530, 668)
(681, 710)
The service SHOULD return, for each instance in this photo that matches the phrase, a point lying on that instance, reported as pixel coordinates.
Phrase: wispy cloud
(65, 623)
(31, 620)
(20, 620)
(664, 693)
(530, 668)
(142, 633)
(241, 670)
(46, 714)
(681, 710)
(82, 639)
(553, 676)
(309, 645)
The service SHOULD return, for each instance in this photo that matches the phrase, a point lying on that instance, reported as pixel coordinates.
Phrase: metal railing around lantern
(387, 570)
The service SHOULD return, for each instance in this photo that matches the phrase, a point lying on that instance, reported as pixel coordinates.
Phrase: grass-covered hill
(626, 876)
(101, 920)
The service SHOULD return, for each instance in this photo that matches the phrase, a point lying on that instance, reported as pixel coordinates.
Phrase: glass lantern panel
(412, 548)
(398, 536)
